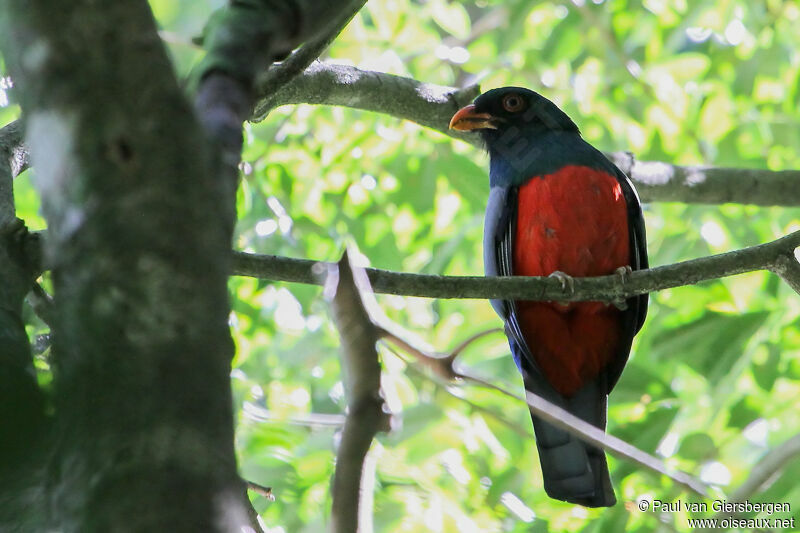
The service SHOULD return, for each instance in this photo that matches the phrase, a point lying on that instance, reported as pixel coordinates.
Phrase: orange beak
(466, 119)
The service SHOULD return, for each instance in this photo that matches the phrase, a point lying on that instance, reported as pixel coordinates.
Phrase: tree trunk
(139, 235)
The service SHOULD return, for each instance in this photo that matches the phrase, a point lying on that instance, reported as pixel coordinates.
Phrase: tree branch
(243, 39)
(588, 433)
(362, 377)
(278, 75)
(769, 465)
(776, 256)
(787, 267)
(443, 366)
(433, 105)
(327, 84)
(763, 472)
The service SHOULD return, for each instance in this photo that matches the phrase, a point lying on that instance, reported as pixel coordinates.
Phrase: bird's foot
(566, 281)
(622, 272)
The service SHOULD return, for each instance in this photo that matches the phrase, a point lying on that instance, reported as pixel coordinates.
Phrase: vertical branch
(243, 38)
(362, 375)
(22, 415)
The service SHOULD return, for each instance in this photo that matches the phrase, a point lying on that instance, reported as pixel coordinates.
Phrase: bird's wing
(636, 234)
(633, 317)
(499, 230)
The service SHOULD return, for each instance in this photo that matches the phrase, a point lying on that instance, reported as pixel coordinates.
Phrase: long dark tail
(573, 471)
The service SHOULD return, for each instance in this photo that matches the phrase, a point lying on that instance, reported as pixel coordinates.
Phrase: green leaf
(451, 17)
(698, 447)
(744, 412)
(646, 434)
(710, 345)
(686, 66)
(716, 118)
(765, 373)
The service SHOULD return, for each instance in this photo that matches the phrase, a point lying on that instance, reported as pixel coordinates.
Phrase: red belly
(575, 221)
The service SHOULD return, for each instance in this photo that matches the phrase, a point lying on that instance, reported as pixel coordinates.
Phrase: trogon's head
(511, 112)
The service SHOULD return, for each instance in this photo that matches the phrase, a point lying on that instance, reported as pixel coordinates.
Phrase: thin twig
(558, 417)
(763, 473)
(570, 423)
(449, 389)
(261, 489)
(463, 346)
(773, 256)
(766, 468)
(440, 364)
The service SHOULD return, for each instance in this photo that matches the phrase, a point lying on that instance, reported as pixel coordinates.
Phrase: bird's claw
(620, 303)
(566, 281)
(622, 272)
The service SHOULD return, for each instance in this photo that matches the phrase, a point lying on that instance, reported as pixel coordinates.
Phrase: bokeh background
(713, 381)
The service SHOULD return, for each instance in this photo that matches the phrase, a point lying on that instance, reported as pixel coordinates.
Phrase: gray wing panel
(498, 253)
(493, 233)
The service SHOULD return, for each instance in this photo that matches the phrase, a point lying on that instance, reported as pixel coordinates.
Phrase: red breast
(575, 221)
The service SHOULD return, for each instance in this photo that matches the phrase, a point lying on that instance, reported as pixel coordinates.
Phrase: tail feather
(572, 470)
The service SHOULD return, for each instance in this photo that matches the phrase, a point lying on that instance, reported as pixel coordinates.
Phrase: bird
(558, 207)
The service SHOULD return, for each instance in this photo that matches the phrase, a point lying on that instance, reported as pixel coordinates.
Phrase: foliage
(714, 377)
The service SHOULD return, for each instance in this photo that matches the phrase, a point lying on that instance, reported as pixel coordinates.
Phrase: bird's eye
(513, 103)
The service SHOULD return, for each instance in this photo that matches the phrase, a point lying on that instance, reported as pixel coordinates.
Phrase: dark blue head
(494, 113)
(526, 134)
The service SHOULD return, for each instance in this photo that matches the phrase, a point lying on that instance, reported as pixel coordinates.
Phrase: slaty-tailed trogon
(558, 207)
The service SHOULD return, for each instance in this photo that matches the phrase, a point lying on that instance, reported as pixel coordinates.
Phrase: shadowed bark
(138, 227)
(140, 211)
